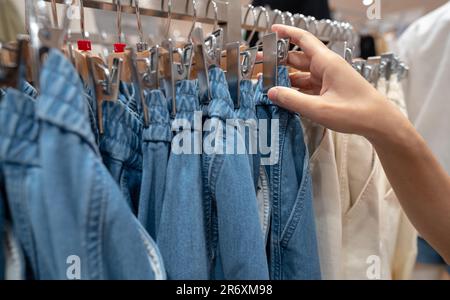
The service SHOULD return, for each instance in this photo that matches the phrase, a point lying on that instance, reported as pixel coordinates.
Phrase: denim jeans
(22, 173)
(156, 140)
(181, 233)
(293, 252)
(83, 219)
(235, 239)
(120, 146)
(2, 224)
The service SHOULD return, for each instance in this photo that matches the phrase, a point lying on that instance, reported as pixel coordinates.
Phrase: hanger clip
(106, 83)
(275, 52)
(177, 66)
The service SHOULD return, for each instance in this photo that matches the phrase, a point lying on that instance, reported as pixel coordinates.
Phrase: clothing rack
(225, 15)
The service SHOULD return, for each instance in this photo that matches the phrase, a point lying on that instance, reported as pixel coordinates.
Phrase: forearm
(420, 183)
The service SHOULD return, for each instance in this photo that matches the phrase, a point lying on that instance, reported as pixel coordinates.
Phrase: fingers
(301, 81)
(296, 59)
(307, 105)
(299, 61)
(305, 40)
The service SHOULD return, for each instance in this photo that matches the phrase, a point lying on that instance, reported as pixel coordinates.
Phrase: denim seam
(24, 224)
(94, 228)
(276, 205)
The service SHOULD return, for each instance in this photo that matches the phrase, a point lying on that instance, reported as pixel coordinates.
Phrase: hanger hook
(139, 21)
(119, 20)
(299, 19)
(55, 14)
(194, 16)
(216, 13)
(252, 9)
(290, 17)
(169, 16)
(278, 14)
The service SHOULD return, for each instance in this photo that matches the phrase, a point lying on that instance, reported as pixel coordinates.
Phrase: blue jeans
(82, 214)
(22, 174)
(120, 146)
(155, 149)
(2, 224)
(293, 252)
(181, 233)
(235, 239)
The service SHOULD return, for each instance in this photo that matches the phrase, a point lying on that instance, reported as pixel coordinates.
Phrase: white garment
(361, 229)
(425, 47)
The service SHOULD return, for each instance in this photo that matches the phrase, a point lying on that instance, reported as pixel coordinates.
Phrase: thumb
(307, 105)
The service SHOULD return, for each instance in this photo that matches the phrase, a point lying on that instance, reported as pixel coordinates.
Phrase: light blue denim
(181, 232)
(22, 173)
(31, 92)
(235, 239)
(156, 140)
(81, 211)
(120, 147)
(293, 252)
(2, 222)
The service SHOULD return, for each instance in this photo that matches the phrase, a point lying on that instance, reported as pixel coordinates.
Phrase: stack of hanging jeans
(68, 213)
(89, 205)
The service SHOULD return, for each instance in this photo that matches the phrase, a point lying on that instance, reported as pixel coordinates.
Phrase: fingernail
(273, 94)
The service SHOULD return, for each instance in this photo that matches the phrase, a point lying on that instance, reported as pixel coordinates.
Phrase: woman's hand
(337, 97)
(331, 92)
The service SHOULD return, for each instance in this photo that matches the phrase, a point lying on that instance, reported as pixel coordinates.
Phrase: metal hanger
(141, 45)
(216, 14)
(120, 50)
(43, 36)
(208, 53)
(177, 62)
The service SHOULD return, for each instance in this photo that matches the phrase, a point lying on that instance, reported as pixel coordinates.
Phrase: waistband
(221, 105)
(247, 108)
(187, 101)
(283, 80)
(19, 129)
(122, 135)
(62, 101)
(159, 118)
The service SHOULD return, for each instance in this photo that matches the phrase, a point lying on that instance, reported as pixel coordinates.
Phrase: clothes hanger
(275, 53)
(43, 36)
(241, 59)
(177, 62)
(120, 50)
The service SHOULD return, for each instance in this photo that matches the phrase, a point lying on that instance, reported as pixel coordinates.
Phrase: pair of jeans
(84, 223)
(293, 252)
(156, 140)
(120, 146)
(235, 239)
(10, 259)
(2, 224)
(22, 174)
(181, 233)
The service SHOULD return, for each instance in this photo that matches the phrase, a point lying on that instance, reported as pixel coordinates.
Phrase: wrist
(392, 129)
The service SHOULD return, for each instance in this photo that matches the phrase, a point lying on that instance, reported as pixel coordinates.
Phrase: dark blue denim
(181, 233)
(156, 140)
(293, 252)
(235, 239)
(81, 209)
(22, 173)
(120, 146)
(428, 256)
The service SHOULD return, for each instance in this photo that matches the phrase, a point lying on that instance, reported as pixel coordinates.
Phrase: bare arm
(337, 97)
